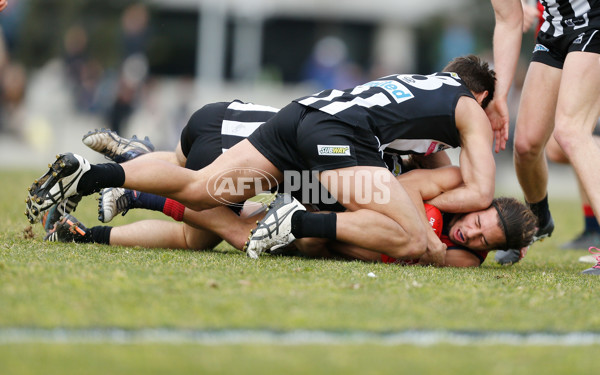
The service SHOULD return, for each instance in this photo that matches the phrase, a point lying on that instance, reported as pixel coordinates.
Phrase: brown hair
(517, 221)
(476, 75)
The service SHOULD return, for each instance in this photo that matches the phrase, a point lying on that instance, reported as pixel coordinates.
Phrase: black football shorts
(201, 138)
(300, 138)
(552, 51)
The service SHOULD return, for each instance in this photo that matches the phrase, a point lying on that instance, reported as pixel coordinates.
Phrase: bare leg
(197, 189)
(390, 227)
(556, 155)
(535, 123)
(199, 230)
(163, 234)
(578, 109)
(222, 222)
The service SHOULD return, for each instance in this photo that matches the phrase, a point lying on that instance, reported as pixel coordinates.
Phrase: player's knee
(524, 148)
(199, 199)
(412, 247)
(312, 247)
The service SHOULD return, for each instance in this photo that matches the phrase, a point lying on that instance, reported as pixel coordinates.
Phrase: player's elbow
(511, 16)
(486, 197)
(482, 196)
(478, 199)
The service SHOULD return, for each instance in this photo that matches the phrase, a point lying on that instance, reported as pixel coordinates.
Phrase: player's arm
(340, 250)
(461, 258)
(3, 4)
(507, 46)
(530, 15)
(477, 165)
(424, 184)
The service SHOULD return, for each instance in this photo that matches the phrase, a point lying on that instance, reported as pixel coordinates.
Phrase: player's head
(518, 222)
(506, 224)
(476, 74)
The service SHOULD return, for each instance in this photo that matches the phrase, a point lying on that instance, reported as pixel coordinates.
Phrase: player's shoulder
(469, 113)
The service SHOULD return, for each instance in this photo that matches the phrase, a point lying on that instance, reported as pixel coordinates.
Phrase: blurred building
(272, 39)
(201, 51)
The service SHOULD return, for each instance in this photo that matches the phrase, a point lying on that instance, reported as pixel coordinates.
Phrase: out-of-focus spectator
(329, 66)
(84, 73)
(457, 40)
(13, 12)
(13, 80)
(134, 65)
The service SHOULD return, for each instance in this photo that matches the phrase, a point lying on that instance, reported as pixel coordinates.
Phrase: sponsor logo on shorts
(579, 39)
(540, 48)
(334, 150)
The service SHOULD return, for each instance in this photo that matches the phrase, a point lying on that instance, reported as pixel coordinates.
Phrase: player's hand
(497, 112)
(435, 254)
(530, 15)
(3, 4)
(523, 252)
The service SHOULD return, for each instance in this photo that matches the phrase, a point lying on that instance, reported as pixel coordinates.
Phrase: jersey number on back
(393, 86)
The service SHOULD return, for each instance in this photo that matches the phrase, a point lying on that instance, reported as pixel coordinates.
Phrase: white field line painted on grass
(298, 337)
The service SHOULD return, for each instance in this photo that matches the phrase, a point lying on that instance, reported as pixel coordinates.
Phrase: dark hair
(517, 221)
(476, 74)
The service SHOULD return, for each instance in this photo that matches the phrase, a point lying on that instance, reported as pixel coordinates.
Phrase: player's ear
(480, 96)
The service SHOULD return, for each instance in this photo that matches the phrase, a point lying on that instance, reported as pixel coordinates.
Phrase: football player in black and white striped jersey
(561, 93)
(209, 132)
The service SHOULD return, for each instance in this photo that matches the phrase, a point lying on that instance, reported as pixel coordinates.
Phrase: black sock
(101, 176)
(308, 224)
(541, 210)
(100, 234)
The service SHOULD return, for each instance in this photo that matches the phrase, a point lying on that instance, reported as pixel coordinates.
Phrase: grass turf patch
(88, 286)
(304, 359)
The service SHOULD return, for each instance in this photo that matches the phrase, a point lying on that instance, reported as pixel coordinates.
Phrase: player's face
(477, 230)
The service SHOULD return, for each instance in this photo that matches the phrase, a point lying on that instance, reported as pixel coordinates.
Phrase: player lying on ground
(403, 113)
(203, 126)
(481, 229)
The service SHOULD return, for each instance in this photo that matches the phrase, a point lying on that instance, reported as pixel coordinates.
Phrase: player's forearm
(463, 199)
(434, 253)
(461, 258)
(506, 43)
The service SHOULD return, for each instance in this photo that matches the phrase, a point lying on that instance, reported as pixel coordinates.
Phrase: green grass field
(78, 288)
